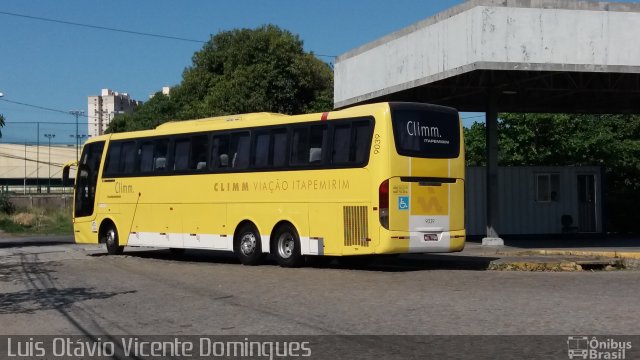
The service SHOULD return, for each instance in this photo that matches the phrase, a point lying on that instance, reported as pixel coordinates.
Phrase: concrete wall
(486, 34)
(43, 201)
(519, 212)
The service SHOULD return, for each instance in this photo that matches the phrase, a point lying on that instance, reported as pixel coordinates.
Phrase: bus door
(86, 183)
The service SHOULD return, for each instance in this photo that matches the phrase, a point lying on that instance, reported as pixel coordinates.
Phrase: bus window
(220, 152)
(128, 158)
(279, 147)
(240, 148)
(317, 142)
(261, 150)
(341, 143)
(363, 132)
(181, 155)
(160, 152)
(146, 157)
(113, 160)
(199, 152)
(300, 146)
(426, 134)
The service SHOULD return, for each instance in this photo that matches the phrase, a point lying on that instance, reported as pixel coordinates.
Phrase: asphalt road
(63, 288)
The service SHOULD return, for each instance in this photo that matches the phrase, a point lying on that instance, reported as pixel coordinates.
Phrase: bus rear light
(383, 202)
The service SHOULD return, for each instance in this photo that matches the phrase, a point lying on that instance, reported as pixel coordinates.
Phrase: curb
(606, 254)
(562, 265)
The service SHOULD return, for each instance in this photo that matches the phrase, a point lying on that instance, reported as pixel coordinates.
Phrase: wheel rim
(248, 244)
(286, 245)
(111, 237)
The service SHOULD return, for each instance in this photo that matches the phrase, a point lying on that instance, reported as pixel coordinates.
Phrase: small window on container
(547, 187)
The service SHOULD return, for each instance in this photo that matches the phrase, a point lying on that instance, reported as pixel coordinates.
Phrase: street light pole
(77, 113)
(38, 157)
(49, 137)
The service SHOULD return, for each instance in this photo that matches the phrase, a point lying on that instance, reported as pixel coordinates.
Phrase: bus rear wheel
(111, 240)
(247, 245)
(287, 247)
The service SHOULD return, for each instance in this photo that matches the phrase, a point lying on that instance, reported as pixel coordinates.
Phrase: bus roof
(207, 122)
(242, 121)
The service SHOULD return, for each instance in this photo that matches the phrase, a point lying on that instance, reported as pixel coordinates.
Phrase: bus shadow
(381, 263)
(401, 263)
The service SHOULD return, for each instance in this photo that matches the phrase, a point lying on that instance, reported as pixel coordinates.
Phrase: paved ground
(60, 288)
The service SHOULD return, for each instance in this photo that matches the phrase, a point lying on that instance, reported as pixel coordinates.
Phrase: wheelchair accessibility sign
(403, 203)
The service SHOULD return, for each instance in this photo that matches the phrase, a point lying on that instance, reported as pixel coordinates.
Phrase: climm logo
(415, 128)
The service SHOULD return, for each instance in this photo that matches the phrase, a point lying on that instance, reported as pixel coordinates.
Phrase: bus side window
(146, 157)
(181, 154)
(279, 146)
(260, 158)
(113, 160)
(362, 141)
(300, 146)
(199, 152)
(128, 158)
(220, 152)
(240, 148)
(341, 144)
(160, 151)
(317, 142)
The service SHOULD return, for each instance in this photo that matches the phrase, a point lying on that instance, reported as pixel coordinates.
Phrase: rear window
(427, 131)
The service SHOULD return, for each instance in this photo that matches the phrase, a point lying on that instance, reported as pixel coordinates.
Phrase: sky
(57, 66)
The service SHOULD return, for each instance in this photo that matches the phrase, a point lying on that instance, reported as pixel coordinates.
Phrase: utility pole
(77, 113)
(49, 137)
(38, 157)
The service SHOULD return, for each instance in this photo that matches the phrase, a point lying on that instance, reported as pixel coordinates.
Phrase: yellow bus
(383, 178)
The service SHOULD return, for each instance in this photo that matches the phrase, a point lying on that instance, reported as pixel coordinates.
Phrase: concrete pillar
(492, 238)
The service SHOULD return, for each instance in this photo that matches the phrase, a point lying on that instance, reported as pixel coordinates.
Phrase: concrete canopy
(536, 55)
(504, 55)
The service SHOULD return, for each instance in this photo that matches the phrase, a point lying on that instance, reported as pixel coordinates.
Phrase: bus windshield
(426, 131)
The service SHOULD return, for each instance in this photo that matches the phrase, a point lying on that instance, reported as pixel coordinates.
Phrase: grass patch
(37, 221)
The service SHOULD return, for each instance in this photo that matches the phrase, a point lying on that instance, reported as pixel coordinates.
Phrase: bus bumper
(83, 233)
(402, 242)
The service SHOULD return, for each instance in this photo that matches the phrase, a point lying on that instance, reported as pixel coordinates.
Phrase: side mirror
(65, 174)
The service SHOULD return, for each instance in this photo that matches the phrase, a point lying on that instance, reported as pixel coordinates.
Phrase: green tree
(241, 71)
(611, 141)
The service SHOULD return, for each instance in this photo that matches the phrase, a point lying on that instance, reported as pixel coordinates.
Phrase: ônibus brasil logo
(583, 347)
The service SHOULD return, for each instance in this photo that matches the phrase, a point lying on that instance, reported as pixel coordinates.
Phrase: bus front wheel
(247, 245)
(287, 247)
(111, 241)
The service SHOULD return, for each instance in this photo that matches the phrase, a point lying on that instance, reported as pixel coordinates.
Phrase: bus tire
(248, 246)
(111, 240)
(287, 247)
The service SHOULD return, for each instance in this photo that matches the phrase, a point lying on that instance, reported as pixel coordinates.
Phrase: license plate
(430, 237)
